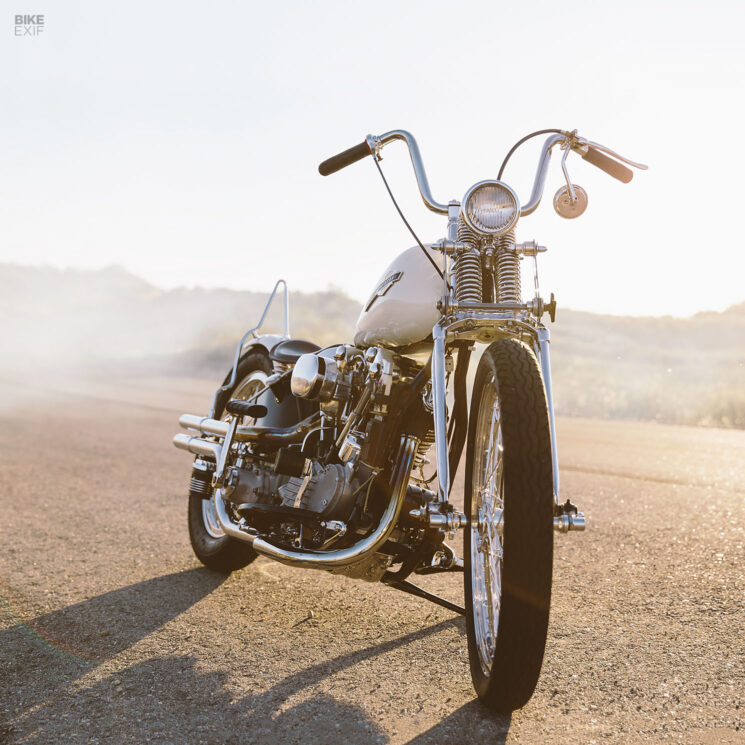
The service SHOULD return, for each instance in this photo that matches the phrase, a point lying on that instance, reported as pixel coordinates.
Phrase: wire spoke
(487, 525)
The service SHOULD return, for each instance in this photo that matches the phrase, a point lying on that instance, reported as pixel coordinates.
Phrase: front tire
(211, 545)
(509, 543)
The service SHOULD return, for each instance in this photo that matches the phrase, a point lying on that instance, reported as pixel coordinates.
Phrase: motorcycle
(319, 458)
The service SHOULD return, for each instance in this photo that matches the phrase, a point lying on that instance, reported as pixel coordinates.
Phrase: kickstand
(408, 587)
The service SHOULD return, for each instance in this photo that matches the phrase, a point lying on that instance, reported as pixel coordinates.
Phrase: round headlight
(490, 207)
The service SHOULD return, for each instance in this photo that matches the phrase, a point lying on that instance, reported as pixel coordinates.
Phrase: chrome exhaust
(204, 424)
(195, 445)
(317, 559)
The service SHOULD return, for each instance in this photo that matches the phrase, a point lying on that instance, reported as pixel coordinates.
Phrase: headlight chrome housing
(490, 208)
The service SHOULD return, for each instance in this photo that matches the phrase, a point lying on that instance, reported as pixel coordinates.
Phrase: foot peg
(567, 517)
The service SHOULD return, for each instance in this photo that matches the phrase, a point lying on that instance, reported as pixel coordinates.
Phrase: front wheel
(509, 543)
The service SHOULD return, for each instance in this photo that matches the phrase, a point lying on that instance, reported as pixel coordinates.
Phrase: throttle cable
(411, 230)
(520, 142)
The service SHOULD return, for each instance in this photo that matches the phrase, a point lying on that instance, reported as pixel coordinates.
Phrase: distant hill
(689, 370)
(679, 370)
(72, 315)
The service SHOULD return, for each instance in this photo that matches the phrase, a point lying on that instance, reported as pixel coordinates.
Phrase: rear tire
(211, 545)
(509, 545)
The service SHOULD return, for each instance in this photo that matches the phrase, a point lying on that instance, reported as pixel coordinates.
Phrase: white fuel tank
(403, 306)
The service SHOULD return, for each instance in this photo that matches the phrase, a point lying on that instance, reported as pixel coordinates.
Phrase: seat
(289, 350)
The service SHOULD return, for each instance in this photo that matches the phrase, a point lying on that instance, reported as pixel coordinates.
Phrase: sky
(181, 140)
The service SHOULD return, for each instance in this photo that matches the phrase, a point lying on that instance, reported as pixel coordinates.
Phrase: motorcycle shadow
(472, 723)
(47, 653)
(44, 696)
(170, 700)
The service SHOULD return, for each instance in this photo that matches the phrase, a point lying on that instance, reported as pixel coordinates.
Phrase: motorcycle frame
(466, 321)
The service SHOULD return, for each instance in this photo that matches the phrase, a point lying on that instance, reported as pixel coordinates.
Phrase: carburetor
(335, 375)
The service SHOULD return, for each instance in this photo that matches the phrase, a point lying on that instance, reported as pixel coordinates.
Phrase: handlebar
(372, 146)
(594, 153)
(540, 175)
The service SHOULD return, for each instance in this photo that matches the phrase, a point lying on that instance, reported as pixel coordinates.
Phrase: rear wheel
(212, 546)
(509, 543)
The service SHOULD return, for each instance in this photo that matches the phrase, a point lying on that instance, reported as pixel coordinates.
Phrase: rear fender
(286, 411)
(263, 342)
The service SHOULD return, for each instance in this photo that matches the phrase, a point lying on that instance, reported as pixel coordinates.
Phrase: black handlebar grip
(609, 165)
(342, 160)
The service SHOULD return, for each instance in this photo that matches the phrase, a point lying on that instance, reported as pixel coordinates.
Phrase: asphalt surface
(111, 632)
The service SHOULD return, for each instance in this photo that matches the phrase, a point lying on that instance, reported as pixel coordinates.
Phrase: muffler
(197, 446)
(204, 424)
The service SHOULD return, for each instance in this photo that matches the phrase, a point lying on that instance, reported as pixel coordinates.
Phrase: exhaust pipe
(316, 559)
(204, 424)
(310, 558)
(194, 445)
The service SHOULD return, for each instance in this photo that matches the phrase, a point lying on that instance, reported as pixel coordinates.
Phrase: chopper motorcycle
(318, 458)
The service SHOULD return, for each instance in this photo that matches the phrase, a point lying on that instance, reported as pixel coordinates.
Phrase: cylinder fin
(424, 446)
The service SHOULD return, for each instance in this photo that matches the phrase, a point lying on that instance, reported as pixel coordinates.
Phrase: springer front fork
(566, 516)
(541, 346)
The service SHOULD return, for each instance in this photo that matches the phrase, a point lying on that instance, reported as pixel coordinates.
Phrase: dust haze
(110, 325)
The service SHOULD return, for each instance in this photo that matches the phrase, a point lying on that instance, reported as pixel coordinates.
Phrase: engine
(325, 489)
(299, 491)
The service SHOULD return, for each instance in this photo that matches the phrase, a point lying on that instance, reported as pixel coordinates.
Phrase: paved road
(112, 633)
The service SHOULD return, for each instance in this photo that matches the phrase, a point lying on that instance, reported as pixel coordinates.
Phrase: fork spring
(467, 267)
(508, 282)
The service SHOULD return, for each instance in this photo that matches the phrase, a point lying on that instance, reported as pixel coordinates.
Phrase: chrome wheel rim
(487, 525)
(209, 518)
(248, 387)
